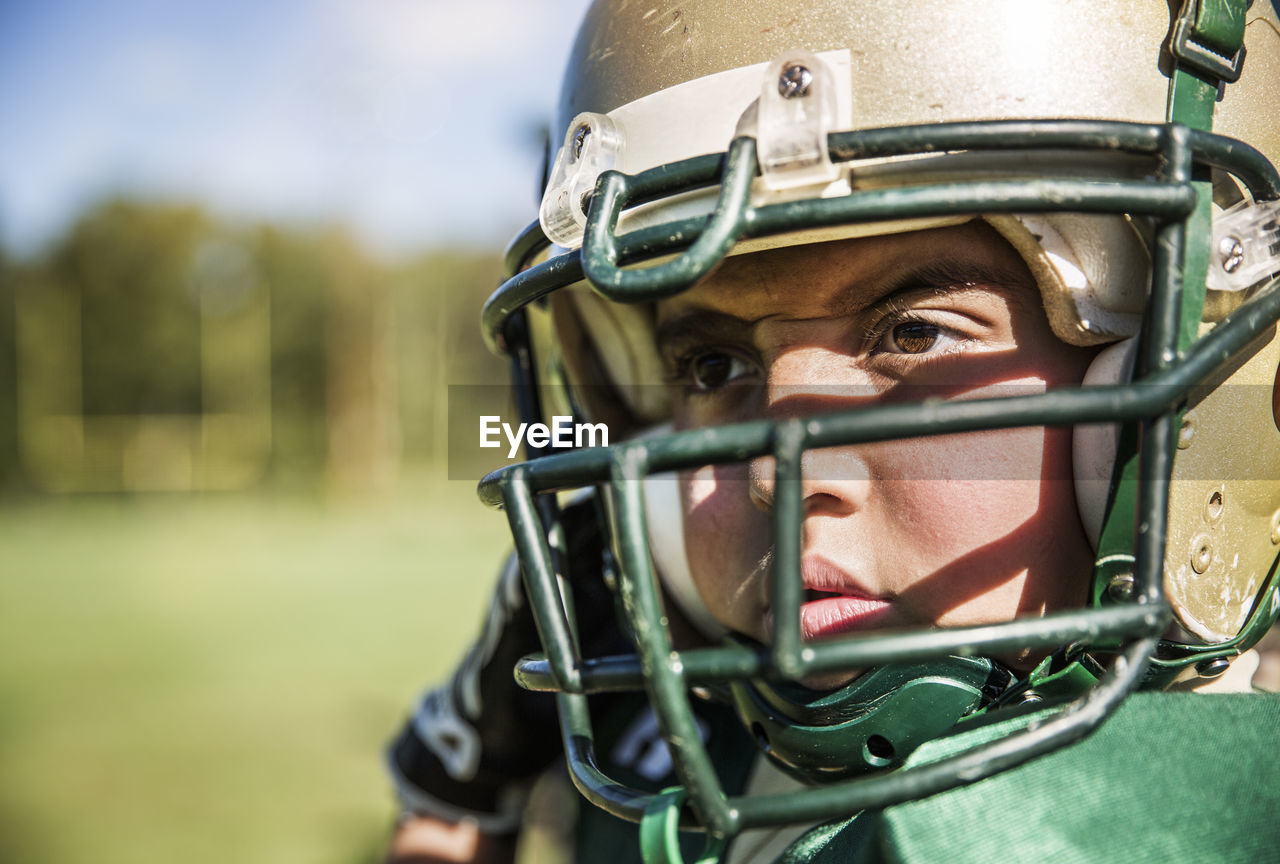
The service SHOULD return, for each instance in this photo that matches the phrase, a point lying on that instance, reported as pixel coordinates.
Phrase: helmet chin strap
(873, 722)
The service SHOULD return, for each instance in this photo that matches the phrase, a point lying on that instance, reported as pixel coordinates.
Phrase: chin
(828, 681)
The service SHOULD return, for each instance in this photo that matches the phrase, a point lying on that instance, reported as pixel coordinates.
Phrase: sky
(415, 122)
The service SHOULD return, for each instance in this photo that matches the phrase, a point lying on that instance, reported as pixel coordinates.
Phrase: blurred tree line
(156, 347)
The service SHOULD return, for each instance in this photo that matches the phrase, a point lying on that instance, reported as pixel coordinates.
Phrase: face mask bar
(1164, 378)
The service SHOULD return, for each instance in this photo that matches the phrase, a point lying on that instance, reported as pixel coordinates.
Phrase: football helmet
(1125, 150)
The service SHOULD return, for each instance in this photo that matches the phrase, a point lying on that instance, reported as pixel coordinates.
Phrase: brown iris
(914, 337)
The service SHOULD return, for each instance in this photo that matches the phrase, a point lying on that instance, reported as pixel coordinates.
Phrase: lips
(834, 603)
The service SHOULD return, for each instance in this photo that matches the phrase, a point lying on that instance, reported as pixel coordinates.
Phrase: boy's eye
(912, 337)
(714, 369)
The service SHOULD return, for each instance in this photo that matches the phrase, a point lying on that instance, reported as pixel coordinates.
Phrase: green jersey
(1170, 777)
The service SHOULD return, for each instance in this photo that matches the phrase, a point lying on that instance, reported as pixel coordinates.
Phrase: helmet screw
(1187, 433)
(1212, 668)
(1030, 699)
(794, 81)
(1231, 251)
(1201, 553)
(580, 136)
(1121, 587)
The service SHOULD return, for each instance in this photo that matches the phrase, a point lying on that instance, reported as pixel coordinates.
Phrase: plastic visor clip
(1246, 245)
(796, 110)
(593, 144)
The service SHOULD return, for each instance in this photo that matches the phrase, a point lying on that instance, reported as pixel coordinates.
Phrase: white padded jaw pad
(665, 517)
(1094, 446)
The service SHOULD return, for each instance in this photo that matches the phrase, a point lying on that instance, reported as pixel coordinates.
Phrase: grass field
(211, 679)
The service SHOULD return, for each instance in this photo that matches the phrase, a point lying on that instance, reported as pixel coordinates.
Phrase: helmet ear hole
(1093, 446)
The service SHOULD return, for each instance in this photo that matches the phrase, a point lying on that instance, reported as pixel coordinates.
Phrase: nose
(811, 380)
(834, 481)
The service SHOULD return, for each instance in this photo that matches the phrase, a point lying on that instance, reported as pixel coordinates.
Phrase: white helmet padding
(1094, 446)
(665, 516)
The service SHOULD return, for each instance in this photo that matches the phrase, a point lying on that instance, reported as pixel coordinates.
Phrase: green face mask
(919, 684)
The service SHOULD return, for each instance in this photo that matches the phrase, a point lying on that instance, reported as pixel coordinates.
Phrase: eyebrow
(698, 325)
(939, 277)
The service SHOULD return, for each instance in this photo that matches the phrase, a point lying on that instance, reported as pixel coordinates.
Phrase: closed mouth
(829, 615)
(834, 602)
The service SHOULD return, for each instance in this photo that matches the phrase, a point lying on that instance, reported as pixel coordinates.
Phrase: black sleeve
(474, 745)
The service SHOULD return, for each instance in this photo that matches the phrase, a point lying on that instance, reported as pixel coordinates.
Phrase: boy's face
(946, 530)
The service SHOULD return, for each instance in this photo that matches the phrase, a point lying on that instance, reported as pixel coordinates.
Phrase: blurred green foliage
(334, 364)
(134, 269)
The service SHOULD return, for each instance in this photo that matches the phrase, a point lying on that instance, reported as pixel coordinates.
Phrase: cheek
(727, 540)
(967, 486)
(991, 517)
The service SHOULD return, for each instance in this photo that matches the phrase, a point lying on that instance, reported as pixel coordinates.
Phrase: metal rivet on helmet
(1120, 588)
(794, 81)
(1231, 253)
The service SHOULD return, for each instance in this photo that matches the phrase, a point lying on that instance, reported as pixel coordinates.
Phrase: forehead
(848, 275)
